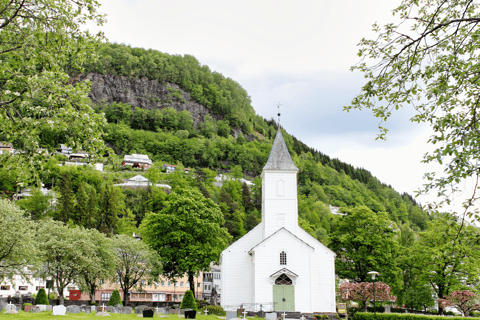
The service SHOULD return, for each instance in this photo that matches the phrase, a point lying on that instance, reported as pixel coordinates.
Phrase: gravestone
(190, 314)
(93, 308)
(2, 305)
(173, 311)
(148, 313)
(49, 307)
(88, 309)
(73, 309)
(59, 310)
(11, 309)
(109, 308)
(42, 307)
(27, 308)
(119, 305)
(387, 309)
(139, 309)
(35, 309)
(161, 310)
(181, 313)
(83, 307)
(271, 316)
(231, 315)
(126, 310)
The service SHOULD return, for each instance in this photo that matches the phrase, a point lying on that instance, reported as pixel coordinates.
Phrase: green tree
(364, 241)
(111, 204)
(86, 209)
(39, 41)
(429, 60)
(118, 112)
(187, 234)
(66, 200)
(135, 263)
(41, 297)
(17, 240)
(100, 263)
(188, 301)
(445, 256)
(38, 204)
(114, 298)
(65, 253)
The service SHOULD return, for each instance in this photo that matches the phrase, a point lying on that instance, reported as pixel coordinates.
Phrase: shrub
(115, 299)
(26, 304)
(52, 295)
(216, 310)
(393, 316)
(188, 301)
(41, 297)
(320, 316)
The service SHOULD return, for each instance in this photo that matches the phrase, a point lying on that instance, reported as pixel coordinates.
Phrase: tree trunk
(125, 296)
(92, 294)
(192, 283)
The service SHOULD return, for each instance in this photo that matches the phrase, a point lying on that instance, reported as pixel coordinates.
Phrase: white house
(278, 265)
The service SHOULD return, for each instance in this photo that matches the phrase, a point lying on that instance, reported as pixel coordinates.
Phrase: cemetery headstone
(139, 309)
(93, 308)
(11, 309)
(73, 309)
(387, 309)
(190, 314)
(2, 306)
(49, 307)
(35, 309)
(110, 308)
(126, 310)
(161, 310)
(59, 310)
(27, 308)
(231, 315)
(271, 316)
(88, 309)
(148, 313)
(42, 307)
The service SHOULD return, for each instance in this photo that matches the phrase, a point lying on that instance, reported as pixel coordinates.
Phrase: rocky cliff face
(143, 93)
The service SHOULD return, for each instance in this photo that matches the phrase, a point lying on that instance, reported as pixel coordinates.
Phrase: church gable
(282, 235)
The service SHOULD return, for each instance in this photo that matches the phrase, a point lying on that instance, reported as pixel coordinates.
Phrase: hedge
(401, 316)
(217, 310)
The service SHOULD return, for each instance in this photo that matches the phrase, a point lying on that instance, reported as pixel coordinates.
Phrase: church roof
(275, 233)
(284, 271)
(279, 158)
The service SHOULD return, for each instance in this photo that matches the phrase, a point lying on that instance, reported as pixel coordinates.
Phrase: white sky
(297, 53)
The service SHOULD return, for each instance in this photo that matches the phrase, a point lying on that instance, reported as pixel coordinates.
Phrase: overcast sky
(297, 53)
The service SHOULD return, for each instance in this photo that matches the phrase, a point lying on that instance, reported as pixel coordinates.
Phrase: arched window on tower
(283, 258)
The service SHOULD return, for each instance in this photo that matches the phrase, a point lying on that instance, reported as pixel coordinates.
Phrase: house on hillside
(64, 149)
(221, 178)
(278, 265)
(6, 147)
(137, 161)
(171, 168)
(140, 181)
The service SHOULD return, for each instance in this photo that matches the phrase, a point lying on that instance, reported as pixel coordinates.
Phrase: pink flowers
(363, 292)
(465, 301)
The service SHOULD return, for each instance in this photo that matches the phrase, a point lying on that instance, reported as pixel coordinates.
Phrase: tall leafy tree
(135, 264)
(99, 266)
(66, 200)
(111, 204)
(429, 61)
(187, 234)
(365, 241)
(39, 41)
(66, 253)
(445, 256)
(17, 240)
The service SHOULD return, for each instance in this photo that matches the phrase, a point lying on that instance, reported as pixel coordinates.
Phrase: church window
(280, 188)
(281, 219)
(283, 280)
(283, 258)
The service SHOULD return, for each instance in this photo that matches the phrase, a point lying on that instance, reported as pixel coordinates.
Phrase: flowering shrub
(363, 292)
(465, 301)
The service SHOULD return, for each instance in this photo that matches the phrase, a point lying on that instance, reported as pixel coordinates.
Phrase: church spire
(279, 158)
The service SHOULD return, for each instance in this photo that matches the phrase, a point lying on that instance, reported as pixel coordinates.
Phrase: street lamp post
(373, 274)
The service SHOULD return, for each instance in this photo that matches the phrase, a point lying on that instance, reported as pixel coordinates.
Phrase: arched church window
(283, 280)
(283, 258)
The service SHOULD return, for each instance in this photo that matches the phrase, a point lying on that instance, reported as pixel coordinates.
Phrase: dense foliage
(188, 301)
(114, 298)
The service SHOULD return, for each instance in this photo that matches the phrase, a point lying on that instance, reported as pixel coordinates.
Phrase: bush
(320, 316)
(380, 309)
(188, 301)
(41, 297)
(114, 299)
(52, 295)
(216, 310)
(393, 316)
(26, 304)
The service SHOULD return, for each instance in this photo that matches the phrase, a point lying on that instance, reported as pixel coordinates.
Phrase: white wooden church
(277, 264)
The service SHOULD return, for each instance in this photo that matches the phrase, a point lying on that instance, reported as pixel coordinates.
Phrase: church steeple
(279, 158)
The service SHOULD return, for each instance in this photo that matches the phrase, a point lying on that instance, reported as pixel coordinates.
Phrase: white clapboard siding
(237, 271)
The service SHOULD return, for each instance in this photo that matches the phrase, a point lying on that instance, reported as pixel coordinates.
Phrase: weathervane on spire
(278, 106)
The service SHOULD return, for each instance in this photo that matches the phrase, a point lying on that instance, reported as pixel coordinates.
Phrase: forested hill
(162, 118)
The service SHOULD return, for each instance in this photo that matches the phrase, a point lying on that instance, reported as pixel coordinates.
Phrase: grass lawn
(83, 315)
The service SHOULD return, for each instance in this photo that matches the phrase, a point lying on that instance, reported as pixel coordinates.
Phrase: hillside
(178, 111)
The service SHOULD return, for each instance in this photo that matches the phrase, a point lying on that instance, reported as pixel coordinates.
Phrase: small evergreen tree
(41, 297)
(188, 301)
(115, 298)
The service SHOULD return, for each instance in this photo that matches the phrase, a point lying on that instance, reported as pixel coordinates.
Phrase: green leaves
(430, 61)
